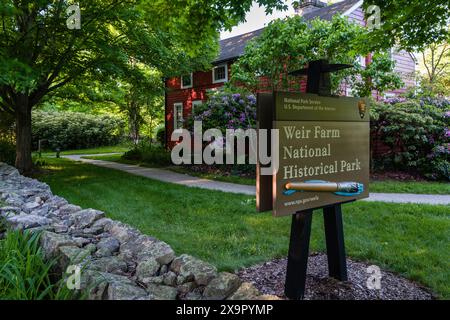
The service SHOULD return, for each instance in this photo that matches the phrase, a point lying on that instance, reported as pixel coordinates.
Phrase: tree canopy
(410, 24)
(289, 44)
(39, 54)
(435, 63)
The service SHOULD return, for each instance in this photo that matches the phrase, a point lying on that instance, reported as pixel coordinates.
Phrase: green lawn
(413, 240)
(422, 187)
(387, 186)
(99, 150)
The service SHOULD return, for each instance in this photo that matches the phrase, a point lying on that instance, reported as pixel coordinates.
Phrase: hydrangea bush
(417, 133)
(225, 110)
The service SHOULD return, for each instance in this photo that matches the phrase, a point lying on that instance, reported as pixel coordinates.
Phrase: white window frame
(192, 81)
(175, 115)
(214, 73)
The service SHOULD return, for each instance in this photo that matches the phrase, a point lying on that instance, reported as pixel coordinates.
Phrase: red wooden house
(185, 92)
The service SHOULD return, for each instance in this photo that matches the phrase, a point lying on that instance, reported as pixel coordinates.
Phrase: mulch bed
(245, 172)
(269, 278)
(223, 170)
(398, 176)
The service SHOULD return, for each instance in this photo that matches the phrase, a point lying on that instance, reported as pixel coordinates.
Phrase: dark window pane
(186, 80)
(220, 73)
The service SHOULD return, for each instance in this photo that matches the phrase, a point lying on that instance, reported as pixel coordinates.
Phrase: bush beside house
(412, 135)
(408, 135)
(226, 110)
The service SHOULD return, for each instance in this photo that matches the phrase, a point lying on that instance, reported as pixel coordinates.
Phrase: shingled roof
(234, 47)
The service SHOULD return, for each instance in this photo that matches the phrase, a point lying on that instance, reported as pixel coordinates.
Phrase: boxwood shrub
(73, 130)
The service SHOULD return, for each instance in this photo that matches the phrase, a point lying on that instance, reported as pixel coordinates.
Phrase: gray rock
(91, 248)
(170, 279)
(72, 256)
(193, 296)
(221, 287)
(27, 221)
(108, 265)
(14, 201)
(60, 228)
(147, 268)
(39, 229)
(6, 170)
(39, 200)
(41, 211)
(9, 211)
(103, 223)
(85, 218)
(51, 242)
(164, 269)
(92, 231)
(58, 202)
(109, 286)
(98, 292)
(117, 260)
(187, 287)
(69, 209)
(194, 269)
(107, 247)
(95, 283)
(246, 291)
(122, 232)
(125, 291)
(81, 242)
(142, 247)
(151, 248)
(181, 279)
(30, 206)
(158, 292)
(152, 280)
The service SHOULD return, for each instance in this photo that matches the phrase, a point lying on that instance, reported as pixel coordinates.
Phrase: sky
(257, 19)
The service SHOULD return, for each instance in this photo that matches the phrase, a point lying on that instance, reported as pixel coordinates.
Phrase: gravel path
(269, 278)
(189, 181)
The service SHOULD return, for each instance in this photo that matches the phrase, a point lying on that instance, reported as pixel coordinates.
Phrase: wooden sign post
(324, 162)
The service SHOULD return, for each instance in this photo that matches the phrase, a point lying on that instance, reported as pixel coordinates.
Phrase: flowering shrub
(226, 110)
(416, 133)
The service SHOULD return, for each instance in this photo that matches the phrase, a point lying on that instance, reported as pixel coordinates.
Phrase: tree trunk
(24, 161)
(134, 122)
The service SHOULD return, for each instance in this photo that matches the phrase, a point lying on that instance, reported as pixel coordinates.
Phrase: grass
(224, 229)
(386, 186)
(422, 187)
(99, 150)
(24, 274)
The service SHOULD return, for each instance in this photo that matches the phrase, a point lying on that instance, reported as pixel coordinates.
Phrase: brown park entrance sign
(323, 151)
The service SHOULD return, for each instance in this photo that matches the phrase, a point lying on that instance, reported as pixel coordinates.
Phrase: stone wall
(117, 261)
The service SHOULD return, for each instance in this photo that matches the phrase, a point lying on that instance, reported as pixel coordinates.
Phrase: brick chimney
(306, 6)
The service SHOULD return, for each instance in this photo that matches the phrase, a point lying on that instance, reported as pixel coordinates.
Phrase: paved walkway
(189, 181)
